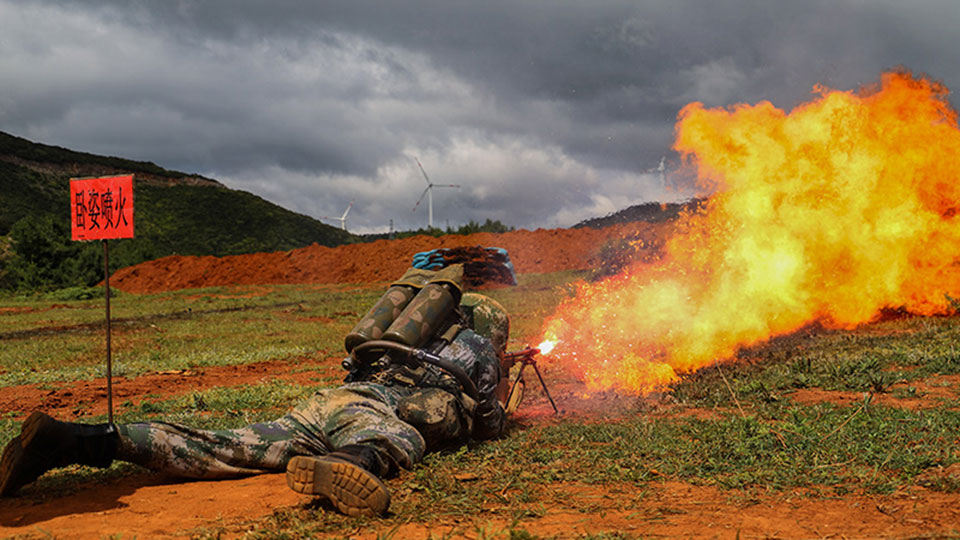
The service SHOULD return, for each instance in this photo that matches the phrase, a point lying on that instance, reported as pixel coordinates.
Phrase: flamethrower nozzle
(525, 357)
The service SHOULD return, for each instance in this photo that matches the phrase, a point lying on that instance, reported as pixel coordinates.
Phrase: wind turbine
(342, 219)
(428, 193)
(660, 169)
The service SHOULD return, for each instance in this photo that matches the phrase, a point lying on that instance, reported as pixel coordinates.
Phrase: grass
(756, 438)
(871, 359)
(61, 341)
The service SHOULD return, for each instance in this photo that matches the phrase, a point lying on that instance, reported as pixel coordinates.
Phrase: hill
(176, 213)
(651, 212)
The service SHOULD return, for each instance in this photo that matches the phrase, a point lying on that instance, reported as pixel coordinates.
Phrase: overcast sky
(545, 113)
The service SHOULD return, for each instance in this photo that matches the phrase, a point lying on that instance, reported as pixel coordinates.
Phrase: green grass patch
(48, 341)
(870, 359)
(843, 448)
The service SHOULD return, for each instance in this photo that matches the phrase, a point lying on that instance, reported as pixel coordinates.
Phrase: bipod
(529, 360)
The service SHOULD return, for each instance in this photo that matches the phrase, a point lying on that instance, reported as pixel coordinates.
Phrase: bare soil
(927, 393)
(145, 505)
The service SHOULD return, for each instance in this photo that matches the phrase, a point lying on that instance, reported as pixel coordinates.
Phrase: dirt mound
(539, 251)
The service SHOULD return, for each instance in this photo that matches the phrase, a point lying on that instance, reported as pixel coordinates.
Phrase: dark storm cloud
(545, 112)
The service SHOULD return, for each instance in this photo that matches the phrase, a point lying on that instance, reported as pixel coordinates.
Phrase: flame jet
(831, 212)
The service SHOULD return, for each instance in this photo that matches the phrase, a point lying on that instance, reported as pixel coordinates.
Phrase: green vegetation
(869, 360)
(43, 255)
(179, 219)
(651, 212)
(26, 193)
(23, 149)
(198, 220)
(749, 436)
(472, 227)
(176, 213)
(617, 253)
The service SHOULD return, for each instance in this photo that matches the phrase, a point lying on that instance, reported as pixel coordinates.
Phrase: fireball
(830, 212)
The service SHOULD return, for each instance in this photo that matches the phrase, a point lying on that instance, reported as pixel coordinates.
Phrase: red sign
(101, 208)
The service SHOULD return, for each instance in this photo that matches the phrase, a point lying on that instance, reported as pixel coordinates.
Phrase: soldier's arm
(477, 356)
(490, 416)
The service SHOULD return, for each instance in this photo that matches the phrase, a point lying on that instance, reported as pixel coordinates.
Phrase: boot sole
(352, 489)
(10, 462)
(11, 456)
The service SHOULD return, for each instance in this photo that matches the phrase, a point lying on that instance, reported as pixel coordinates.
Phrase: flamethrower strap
(419, 277)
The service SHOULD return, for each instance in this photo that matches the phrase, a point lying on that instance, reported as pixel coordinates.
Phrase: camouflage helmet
(487, 318)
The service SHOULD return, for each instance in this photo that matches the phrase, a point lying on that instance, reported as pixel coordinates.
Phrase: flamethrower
(526, 357)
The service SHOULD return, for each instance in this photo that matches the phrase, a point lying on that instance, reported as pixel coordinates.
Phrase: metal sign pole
(106, 271)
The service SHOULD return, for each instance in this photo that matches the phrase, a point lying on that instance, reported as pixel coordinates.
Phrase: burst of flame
(546, 346)
(831, 212)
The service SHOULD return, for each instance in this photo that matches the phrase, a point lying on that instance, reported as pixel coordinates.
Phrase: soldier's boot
(45, 443)
(349, 477)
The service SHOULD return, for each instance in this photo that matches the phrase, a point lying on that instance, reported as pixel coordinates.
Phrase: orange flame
(832, 212)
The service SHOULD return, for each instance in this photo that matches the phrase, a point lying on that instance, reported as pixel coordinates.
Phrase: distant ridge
(651, 212)
(62, 161)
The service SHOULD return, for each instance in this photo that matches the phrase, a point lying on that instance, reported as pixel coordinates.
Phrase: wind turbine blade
(425, 177)
(420, 200)
(445, 185)
(347, 211)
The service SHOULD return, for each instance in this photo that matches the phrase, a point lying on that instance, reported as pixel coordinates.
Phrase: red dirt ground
(536, 251)
(147, 506)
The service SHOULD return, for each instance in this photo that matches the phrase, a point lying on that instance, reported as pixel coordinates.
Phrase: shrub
(45, 258)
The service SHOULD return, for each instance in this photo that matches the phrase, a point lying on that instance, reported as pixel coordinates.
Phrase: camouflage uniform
(402, 413)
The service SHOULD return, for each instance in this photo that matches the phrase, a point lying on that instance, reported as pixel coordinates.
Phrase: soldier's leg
(363, 414)
(196, 453)
(45, 443)
(359, 423)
